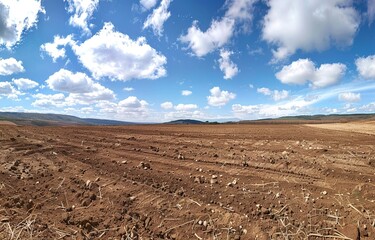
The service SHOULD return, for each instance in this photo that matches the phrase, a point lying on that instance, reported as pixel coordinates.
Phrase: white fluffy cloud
(241, 11)
(82, 89)
(25, 84)
(280, 95)
(158, 17)
(56, 49)
(148, 4)
(202, 43)
(349, 97)
(370, 107)
(275, 94)
(10, 66)
(49, 100)
(295, 106)
(194, 114)
(17, 16)
(179, 107)
(131, 108)
(303, 70)
(309, 25)
(67, 81)
(114, 55)
(366, 67)
(220, 31)
(132, 102)
(264, 91)
(82, 11)
(185, 107)
(166, 105)
(8, 90)
(128, 89)
(219, 98)
(226, 65)
(186, 92)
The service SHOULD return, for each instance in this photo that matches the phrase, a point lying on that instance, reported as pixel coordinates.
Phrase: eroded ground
(186, 182)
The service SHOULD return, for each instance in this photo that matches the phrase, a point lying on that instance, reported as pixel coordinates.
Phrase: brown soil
(186, 182)
(7, 123)
(367, 127)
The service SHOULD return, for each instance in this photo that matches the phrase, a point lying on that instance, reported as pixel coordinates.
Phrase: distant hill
(319, 118)
(185, 121)
(41, 119)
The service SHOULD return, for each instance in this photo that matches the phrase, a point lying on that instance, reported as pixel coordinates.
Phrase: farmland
(227, 181)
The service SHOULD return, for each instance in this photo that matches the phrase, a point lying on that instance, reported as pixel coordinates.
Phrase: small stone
(198, 180)
(132, 198)
(213, 181)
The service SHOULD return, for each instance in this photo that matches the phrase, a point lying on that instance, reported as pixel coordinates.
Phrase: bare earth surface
(7, 123)
(272, 181)
(360, 127)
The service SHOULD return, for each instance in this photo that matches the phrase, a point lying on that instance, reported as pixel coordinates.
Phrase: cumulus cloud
(49, 100)
(158, 17)
(241, 11)
(366, 67)
(226, 65)
(166, 105)
(82, 11)
(349, 97)
(186, 92)
(16, 17)
(295, 106)
(202, 43)
(309, 25)
(56, 49)
(82, 89)
(128, 89)
(181, 111)
(185, 107)
(148, 4)
(132, 102)
(194, 114)
(114, 55)
(67, 81)
(370, 107)
(220, 31)
(275, 94)
(303, 70)
(10, 66)
(280, 95)
(25, 84)
(8, 90)
(130, 108)
(219, 98)
(264, 91)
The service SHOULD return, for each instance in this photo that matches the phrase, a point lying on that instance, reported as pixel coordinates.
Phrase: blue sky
(160, 60)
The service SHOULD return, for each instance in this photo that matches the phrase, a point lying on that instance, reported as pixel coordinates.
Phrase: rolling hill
(41, 119)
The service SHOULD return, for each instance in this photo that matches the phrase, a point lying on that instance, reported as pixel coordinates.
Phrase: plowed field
(272, 181)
